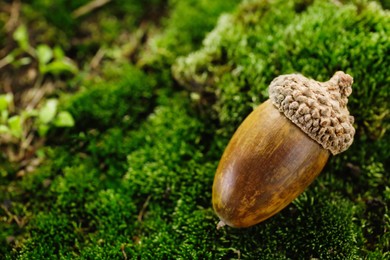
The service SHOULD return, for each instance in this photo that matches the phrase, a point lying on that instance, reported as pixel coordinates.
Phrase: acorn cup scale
(281, 147)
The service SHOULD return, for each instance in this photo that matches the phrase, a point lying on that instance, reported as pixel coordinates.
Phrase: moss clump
(188, 24)
(262, 40)
(182, 31)
(163, 201)
(103, 104)
(133, 178)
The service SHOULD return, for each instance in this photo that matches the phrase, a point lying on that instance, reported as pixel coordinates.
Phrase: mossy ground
(133, 178)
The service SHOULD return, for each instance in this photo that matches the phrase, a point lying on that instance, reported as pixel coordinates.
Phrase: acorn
(281, 147)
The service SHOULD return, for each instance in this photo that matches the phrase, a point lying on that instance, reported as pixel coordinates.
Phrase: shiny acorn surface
(268, 162)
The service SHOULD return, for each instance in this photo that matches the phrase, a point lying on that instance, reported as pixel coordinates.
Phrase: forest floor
(114, 115)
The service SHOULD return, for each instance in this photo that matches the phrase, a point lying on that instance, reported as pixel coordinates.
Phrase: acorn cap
(318, 108)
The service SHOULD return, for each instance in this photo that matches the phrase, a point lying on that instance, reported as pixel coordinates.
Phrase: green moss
(188, 23)
(106, 103)
(262, 40)
(317, 225)
(247, 50)
(160, 207)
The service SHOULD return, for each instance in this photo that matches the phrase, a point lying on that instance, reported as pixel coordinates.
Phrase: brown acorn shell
(268, 162)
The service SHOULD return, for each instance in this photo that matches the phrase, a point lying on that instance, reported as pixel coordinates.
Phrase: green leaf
(41, 153)
(21, 37)
(48, 111)
(3, 103)
(4, 129)
(64, 119)
(60, 66)
(43, 129)
(4, 116)
(5, 100)
(15, 125)
(10, 58)
(30, 113)
(58, 53)
(21, 62)
(44, 54)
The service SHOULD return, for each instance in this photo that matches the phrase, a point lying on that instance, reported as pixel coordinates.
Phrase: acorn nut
(281, 147)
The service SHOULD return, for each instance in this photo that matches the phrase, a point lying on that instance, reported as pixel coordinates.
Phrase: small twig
(97, 58)
(11, 154)
(123, 251)
(39, 92)
(13, 217)
(238, 252)
(143, 209)
(5, 61)
(26, 142)
(13, 17)
(88, 7)
(7, 212)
